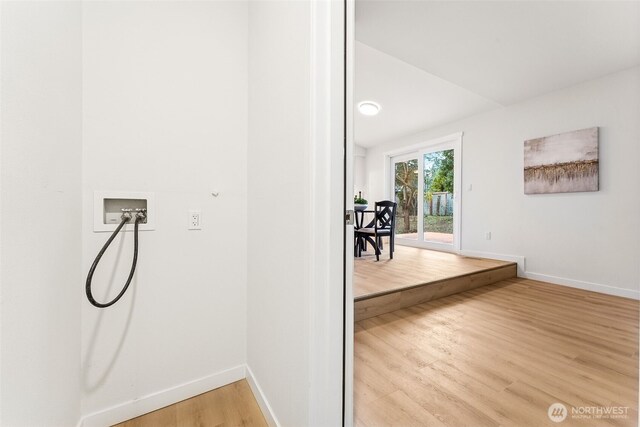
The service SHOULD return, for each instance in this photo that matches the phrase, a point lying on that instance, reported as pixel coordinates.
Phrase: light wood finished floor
(498, 356)
(231, 405)
(410, 267)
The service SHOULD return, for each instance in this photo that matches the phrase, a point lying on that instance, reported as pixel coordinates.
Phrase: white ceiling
(411, 99)
(431, 62)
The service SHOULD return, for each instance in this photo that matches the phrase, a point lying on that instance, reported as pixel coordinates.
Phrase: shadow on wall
(88, 361)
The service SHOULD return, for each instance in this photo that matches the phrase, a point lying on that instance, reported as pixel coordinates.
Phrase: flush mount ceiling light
(369, 108)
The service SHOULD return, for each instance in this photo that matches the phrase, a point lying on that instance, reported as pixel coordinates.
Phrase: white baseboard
(267, 411)
(587, 286)
(151, 402)
(563, 281)
(520, 260)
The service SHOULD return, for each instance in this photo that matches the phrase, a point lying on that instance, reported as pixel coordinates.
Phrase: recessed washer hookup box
(108, 207)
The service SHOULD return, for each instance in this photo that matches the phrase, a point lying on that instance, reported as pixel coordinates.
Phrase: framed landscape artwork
(563, 163)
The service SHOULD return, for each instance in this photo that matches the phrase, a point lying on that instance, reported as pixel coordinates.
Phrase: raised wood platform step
(416, 276)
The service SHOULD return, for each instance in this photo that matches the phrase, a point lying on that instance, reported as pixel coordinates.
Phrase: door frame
(330, 270)
(349, 26)
(453, 141)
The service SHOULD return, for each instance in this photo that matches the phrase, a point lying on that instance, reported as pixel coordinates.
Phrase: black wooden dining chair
(384, 225)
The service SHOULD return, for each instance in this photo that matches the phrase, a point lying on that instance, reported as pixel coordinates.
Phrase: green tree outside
(406, 189)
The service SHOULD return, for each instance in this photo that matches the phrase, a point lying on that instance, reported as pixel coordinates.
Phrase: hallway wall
(165, 111)
(40, 212)
(278, 181)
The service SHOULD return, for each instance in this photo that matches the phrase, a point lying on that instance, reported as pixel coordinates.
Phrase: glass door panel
(405, 187)
(437, 197)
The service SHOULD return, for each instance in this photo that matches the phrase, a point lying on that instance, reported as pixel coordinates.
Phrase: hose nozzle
(126, 215)
(141, 215)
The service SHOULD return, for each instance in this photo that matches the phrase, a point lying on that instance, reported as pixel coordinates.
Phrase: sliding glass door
(425, 185)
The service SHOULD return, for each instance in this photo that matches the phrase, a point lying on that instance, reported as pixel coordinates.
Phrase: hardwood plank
(395, 409)
(379, 303)
(499, 355)
(231, 405)
(412, 267)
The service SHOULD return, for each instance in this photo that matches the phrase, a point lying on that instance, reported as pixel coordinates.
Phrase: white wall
(360, 171)
(295, 223)
(40, 271)
(589, 240)
(278, 329)
(165, 111)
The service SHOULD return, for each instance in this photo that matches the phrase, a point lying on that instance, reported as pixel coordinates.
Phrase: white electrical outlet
(487, 235)
(194, 220)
